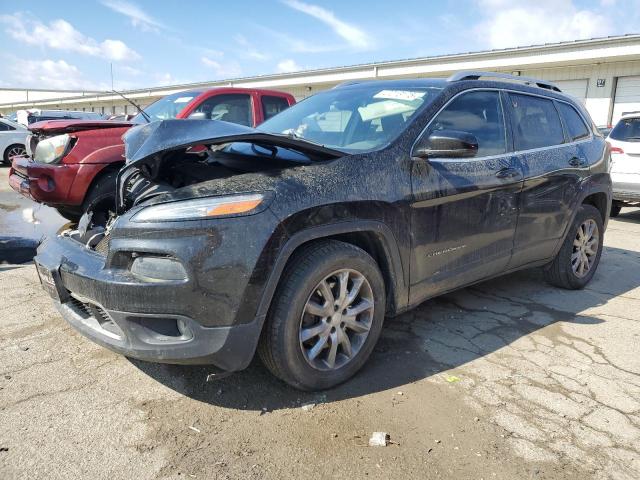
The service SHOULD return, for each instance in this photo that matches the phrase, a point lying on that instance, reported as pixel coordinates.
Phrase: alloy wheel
(336, 320)
(585, 248)
(15, 151)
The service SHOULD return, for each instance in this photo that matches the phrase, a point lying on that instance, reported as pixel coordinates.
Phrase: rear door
(554, 163)
(464, 210)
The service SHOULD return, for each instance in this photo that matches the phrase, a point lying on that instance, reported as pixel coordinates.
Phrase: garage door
(627, 97)
(575, 88)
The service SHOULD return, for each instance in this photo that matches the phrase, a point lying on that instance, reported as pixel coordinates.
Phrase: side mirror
(447, 144)
(197, 116)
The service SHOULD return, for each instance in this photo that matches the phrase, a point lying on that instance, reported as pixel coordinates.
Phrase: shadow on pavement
(441, 334)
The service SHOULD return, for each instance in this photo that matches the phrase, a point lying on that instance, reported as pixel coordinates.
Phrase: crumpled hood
(145, 141)
(68, 126)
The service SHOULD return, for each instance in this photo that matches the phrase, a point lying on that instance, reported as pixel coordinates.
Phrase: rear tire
(575, 264)
(615, 209)
(11, 151)
(298, 310)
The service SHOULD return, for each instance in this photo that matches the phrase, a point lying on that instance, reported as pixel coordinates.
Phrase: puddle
(23, 224)
(31, 222)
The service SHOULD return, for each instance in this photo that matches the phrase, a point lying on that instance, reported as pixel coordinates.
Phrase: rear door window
(271, 105)
(576, 127)
(536, 123)
(232, 107)
(479, 113)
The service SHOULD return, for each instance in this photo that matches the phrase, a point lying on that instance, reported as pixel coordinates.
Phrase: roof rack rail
(476, 75)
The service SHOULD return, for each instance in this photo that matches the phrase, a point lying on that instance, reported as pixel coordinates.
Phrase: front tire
(575, 264)
(326, 316)
(101, 199)
(69, 213)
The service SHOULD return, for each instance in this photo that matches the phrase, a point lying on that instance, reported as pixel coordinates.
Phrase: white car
(13, 138)
(625, 162)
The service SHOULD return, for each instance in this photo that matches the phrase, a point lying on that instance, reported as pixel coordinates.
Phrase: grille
(88, 311)
(103, 246)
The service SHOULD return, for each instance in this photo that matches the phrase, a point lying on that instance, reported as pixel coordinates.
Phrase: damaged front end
(169, 277)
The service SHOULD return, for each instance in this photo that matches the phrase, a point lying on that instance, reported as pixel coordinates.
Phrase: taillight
(617, 150)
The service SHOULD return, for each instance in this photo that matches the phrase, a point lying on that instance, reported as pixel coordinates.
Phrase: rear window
(536, 122)
(627, 130)
(573, 121)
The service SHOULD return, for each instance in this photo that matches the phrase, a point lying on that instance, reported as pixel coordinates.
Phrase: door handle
(507, 173)
(577, 162)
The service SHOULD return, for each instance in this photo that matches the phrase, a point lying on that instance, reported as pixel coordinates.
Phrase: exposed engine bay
(173, 170)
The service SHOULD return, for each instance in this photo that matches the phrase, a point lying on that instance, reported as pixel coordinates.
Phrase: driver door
(464, 210)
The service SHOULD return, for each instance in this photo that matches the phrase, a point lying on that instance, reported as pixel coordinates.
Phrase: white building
(602, 72)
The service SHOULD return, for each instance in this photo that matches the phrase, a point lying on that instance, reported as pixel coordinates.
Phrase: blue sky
(64, 44)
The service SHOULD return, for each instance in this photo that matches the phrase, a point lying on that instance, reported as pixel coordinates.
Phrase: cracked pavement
(510, 378)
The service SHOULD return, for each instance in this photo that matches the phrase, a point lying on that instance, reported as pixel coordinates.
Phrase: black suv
(297, 238)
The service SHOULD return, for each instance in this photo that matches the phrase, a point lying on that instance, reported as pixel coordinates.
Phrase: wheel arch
(373, 237)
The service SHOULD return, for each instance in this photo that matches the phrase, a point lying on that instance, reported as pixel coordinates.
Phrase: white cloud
(138, 17)
(248, 50)
(511, 23)
(355, 37)
(288, 65)
(222, 69)
(61, 35)
(50, 74)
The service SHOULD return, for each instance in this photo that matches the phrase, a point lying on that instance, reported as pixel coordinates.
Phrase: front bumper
(158, 325)
(55, 184)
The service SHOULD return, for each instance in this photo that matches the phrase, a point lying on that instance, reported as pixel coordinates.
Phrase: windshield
(354, 119)
(627, 130)
(167, 107)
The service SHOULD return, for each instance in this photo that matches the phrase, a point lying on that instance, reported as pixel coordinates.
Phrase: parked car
(27, 117)
(298, 237)
(625, 162)
(124, 117)
(13, 137)
(73, 164)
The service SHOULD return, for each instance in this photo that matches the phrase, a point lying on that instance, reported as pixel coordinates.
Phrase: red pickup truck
(72, 164)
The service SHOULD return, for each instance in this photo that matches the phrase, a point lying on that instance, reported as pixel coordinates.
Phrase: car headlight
(50, 150)
(201, 208)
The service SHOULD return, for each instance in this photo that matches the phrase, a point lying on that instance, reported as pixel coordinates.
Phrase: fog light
(158, 269)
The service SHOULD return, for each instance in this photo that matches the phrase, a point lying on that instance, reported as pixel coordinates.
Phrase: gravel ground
(508, 379)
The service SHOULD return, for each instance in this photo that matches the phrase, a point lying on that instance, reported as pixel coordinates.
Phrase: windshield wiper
(291, 133)
(140, 110)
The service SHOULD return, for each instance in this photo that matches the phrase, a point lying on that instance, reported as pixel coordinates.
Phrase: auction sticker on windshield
(399, 95)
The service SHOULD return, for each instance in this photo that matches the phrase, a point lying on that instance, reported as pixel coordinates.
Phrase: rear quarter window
(576, 127)
(272, 106)
(536, 123)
